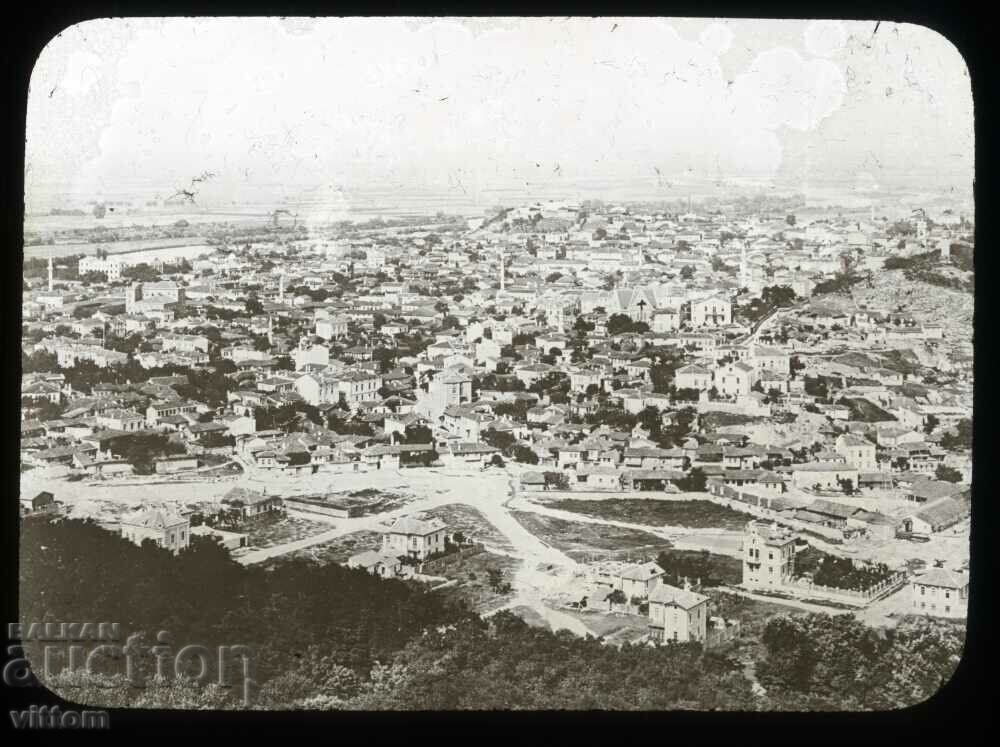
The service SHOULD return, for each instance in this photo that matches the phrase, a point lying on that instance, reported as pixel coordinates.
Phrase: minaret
(270, 330)
(281, 288)
(50, 274)
(503, 283)
(744, 267)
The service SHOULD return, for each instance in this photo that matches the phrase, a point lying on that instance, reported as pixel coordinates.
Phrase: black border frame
(960, 709)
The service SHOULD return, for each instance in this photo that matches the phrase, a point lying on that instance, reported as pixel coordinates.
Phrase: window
(947, 609)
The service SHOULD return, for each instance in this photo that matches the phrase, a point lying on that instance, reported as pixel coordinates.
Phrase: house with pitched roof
(639, 580)
(940, 593)
(251, 504)
(377, 563)
(414, 536)
(677, 614)
(858, 452)
(735, 379)
(167, 528)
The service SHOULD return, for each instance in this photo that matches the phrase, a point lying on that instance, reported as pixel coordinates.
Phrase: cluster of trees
(289, 418)
(41, 409)
(510, 446)
(840, 573)
(923, 267)
(84, 375)
(948, 474)
(209, 385)
(772, 297)
(699, 567)
(823, 662)
(63, 269)
(694, 481)
(141, 449)
(619, 324)
(842, 280)
(516, 410)
(366, 643)
(141, 272)
(344, 620)
(961, 439)
(500, 382)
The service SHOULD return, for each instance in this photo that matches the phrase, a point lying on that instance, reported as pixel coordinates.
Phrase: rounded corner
(944, 40)
(47, 47)
(945, 686)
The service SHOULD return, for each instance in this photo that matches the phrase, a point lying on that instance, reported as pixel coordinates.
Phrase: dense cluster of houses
(605, 348)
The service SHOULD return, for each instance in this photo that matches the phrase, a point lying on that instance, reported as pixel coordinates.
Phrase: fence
(451, 559)
(850, 596)
(760, 506)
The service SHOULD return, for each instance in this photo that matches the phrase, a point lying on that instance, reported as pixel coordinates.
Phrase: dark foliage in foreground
(329, 637)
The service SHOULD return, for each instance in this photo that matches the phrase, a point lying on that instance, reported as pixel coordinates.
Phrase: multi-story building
(713, 311)
(768, 556)
(940, 593)
(414, 537)
(677, 614)
(735, 379)
(693, 376)
(857, 451)
(359, 386)
(159, 410)
(119, 419)
(146, 298)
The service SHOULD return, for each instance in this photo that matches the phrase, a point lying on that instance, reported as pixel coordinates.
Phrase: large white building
(768, 556)
(713, 311)
(940, 593)
(857, 451)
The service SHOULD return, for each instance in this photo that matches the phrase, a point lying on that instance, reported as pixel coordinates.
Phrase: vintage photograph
(447, 364)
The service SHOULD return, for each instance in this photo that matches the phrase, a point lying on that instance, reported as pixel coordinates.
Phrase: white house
(693, 376)
(735, 379)
(414, 537)
(677, 614)
(163, 525)
(940, 593)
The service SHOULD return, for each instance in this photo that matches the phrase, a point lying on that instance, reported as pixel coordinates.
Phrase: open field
(271, 531)
(472, 575)
(582, 541)
(472, 524)
(340, 549)
(614, 627)
(716, 420)
(372, 501)
(696, 514)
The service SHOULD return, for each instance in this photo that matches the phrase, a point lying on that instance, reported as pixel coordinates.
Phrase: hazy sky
(325, 104)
